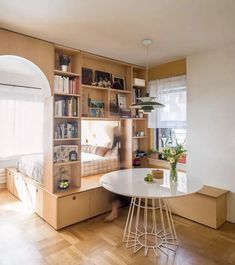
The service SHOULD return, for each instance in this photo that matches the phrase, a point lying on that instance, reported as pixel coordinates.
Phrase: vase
(173, 172)
(64, 68)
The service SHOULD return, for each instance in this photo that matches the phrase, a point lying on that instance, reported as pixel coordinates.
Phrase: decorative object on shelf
(121, 99)
(118, 82)
(64, 61)
(139, 153)
(87, 76)
(64, 153)
(173, 154)
(140, 134)
(152, 153)
(113, 107)
(73, 156)
(96, 108)
(138, 82)
(63, 182)
(102, 79)
(157, 173)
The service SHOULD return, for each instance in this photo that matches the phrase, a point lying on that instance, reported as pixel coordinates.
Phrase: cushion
(101, 151)
(112, 153)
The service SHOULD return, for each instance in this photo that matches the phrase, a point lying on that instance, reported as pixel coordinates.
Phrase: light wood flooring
(25, 239)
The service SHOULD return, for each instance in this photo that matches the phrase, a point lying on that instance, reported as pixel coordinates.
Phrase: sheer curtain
(172, 93)
(21, 120)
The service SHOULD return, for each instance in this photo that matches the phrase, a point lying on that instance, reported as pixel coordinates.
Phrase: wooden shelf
(66, 94)
(138, 137)
(66, 117)
(139, 119)
(95, 87)
(119, 91)
(101, 118)
(69, 74)
(66, 163)
(66, 139)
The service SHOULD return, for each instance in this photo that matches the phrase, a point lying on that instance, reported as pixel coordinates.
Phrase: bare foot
(111, 217)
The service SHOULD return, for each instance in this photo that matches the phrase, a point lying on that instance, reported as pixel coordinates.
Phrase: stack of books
(64, 84)
(136, 93)
(66, 130)
(66, 107)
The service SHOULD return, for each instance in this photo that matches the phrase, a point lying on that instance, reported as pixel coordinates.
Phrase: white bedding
(32, 166)
(93, 164)
(86, 157)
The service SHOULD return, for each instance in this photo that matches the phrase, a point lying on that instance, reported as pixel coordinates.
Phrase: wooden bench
(207, 207)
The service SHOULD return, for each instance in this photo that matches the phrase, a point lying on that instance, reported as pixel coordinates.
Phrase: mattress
(31, 166)
(93, 164)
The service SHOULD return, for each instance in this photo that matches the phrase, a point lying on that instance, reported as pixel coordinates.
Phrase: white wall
(211, 120)
(98, 132)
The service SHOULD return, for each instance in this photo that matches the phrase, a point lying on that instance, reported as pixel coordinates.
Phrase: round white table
(149, 202)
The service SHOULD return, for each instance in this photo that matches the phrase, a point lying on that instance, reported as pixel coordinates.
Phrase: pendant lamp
(146, 104)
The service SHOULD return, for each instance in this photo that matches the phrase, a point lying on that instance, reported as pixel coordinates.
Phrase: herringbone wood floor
(25, 239)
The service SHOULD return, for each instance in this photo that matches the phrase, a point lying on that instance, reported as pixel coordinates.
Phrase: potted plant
(64, 61)
(173, 155)
(152, 153)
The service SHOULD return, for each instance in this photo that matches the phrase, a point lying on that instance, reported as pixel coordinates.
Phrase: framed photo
(121, 99)
(118, 82)
(103, 79)
(96, 108)
(87, 76)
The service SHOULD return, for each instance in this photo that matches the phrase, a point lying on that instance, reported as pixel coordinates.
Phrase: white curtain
(21, 121)
(172, 93)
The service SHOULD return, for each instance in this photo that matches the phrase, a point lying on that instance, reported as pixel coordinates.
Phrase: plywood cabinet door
(10, 181)
(35, 199)
(100, 201)
(72, 209)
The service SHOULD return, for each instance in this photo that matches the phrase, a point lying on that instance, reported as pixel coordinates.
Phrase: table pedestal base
(142, 229)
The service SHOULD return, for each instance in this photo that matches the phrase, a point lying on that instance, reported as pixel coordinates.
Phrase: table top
(130, 182)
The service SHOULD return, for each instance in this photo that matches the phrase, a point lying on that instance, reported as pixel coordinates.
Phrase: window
(21, 119)
(170, 121)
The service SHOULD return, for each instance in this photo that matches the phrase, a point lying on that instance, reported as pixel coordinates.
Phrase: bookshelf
(65, 107)
(100, 79)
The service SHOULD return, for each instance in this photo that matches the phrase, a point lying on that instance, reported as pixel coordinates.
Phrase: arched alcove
(19, 72)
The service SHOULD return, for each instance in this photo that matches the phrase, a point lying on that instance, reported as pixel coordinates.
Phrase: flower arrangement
(173, 154)
(64, 59)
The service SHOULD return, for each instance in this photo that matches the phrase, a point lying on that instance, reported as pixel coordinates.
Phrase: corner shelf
(66, 117)
(119, 91)
(69, 74)
(95, 87)
(66, 139)
(66, 94)
(66, 163)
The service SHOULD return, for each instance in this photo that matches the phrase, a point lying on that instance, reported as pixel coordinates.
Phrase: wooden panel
(100, 201)
(4, 43)
(72, 209)
(126, 144)
(37, 51)
(36, 199)
(50, 209)
(10, 181)
(168, 70)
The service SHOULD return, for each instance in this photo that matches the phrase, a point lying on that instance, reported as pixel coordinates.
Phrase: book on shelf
(65, 153)
(136, 93)
(66, 130)
(65, 85)
(66, 107)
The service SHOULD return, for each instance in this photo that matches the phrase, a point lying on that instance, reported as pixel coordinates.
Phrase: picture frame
(97, 108)
(87, 76)
(103, 79)
(118, 82)
(121, 99)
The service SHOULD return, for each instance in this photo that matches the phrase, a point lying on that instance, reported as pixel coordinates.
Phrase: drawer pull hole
(36, 190)
(74, 197)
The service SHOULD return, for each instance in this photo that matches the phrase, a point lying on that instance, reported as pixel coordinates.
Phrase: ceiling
(115, 28)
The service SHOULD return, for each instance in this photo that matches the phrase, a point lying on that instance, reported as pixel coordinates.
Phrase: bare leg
(114, 213)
